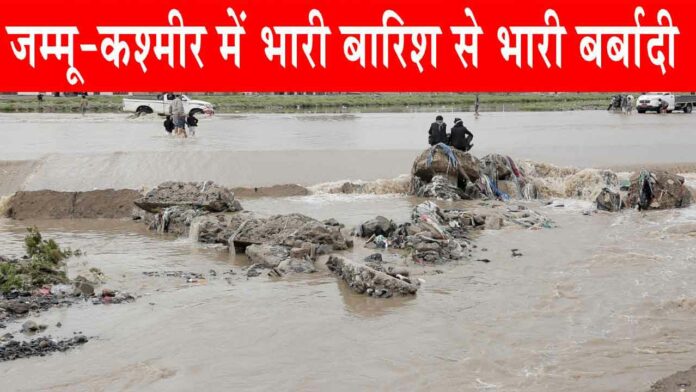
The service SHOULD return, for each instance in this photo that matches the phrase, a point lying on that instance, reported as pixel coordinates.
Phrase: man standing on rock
(461, 137)
(437, 132)
(176, 109)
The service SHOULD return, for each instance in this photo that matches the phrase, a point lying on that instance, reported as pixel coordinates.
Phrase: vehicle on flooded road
(160, 105)
(665, 102)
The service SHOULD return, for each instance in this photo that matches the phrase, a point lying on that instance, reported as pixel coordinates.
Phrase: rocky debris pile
(38, 281)
(109, 296)
(108, 203)
(440, 169)
(657, 190)
(644, 190)
(172, 206)
(40, 347)
(241, 229)
(25, 303)
(432, 236)
(291, 230)
(441, 188)
(446, 173)
(366, 280)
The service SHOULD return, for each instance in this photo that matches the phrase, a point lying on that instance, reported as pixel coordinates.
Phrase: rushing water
(602, 302)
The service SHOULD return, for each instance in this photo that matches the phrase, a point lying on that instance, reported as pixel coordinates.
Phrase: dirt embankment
(108, 203)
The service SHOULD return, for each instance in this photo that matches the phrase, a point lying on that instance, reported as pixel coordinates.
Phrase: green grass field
(364, 102)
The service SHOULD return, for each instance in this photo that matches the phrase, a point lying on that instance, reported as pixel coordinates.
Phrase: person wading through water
(437, 132)
(176, 109)
(460, 137)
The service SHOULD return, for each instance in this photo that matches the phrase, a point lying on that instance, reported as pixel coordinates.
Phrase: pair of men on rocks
(459, 137)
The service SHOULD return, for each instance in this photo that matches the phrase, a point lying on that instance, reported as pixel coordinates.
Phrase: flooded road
(602, 302)
(71, 152)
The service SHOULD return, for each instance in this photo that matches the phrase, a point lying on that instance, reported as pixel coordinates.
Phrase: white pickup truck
(160, 105)
(656, 101)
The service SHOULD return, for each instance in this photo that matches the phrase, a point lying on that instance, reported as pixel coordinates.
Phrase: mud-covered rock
(220, 227)
(467, 167)
(198, 195)
(289, 230)
(365, 280)
(175, 219)
(607, 200)
(658, 190)
(280, 258)
(376, 226)
(269, 256)
(297, 266)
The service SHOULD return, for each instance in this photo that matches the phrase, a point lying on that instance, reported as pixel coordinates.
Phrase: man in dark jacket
(437, 132)
(461, 137)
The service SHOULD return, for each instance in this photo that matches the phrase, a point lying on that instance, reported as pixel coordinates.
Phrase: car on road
(160, 105)
(656, 101)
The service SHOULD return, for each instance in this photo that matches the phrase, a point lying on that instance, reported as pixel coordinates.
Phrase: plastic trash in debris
(381, 242)
(61, 289)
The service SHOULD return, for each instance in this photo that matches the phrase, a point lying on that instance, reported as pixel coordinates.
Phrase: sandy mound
(109, 203)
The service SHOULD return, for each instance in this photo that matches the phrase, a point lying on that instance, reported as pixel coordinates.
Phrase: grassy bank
(366, 102)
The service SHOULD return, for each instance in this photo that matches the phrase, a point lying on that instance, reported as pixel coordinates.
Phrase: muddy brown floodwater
(604, 302)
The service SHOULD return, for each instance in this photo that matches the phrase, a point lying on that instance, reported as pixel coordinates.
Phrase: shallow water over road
(72, 152)
(602, 302)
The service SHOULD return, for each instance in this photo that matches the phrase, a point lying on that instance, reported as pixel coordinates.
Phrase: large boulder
(202, 195)
(365, 280)
(434, 161)
(607, 200)
(377, 226)
(658, 190)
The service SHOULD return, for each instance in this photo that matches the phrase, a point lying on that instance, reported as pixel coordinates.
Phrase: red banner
(343, 45)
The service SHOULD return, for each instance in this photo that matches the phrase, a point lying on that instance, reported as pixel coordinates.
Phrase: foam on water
(398, 185)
